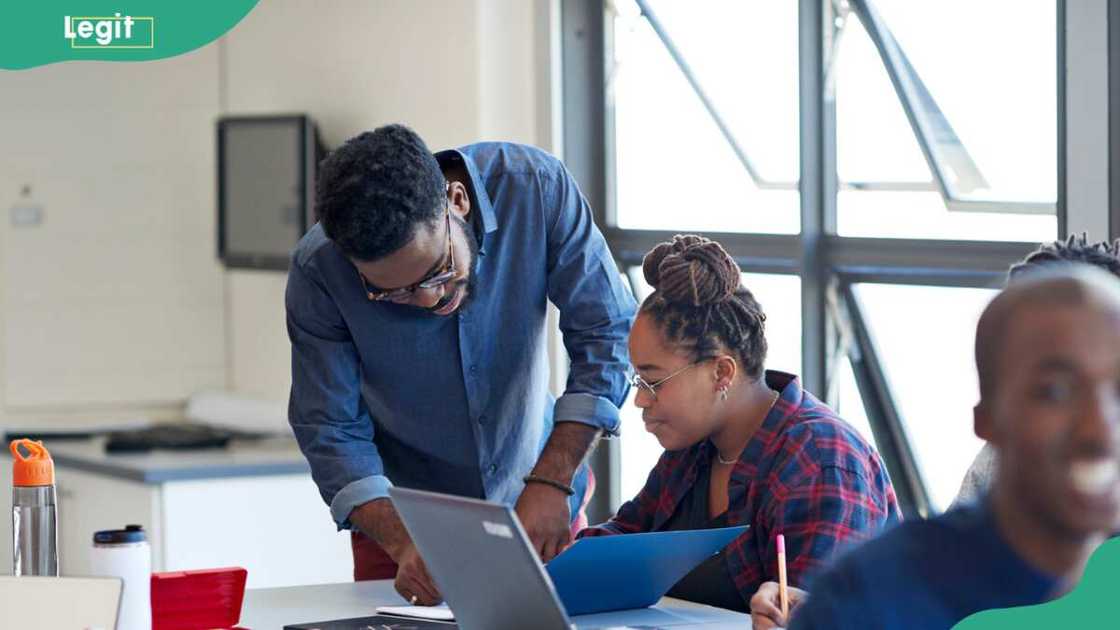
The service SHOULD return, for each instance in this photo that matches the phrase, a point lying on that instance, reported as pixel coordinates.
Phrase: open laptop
(485, 567)
(519, 596)
(54, 603)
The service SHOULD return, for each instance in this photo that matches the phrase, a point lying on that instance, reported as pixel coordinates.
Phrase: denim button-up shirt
(387, 394)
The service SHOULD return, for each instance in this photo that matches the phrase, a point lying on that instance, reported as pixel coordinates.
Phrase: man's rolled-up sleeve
(325, 408)
(596, 309)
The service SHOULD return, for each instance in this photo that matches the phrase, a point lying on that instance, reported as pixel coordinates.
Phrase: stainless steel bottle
(34, 510)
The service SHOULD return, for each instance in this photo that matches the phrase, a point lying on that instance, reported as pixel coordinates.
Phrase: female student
(743, 445)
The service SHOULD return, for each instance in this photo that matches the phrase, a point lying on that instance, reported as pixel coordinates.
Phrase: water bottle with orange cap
(34, 510)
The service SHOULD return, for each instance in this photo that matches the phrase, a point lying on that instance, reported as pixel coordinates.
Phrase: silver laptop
(59, 603)
(481, 560)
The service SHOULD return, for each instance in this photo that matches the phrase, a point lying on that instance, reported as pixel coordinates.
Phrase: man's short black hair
(1075, 249)
(1061, 256)
(375, 190)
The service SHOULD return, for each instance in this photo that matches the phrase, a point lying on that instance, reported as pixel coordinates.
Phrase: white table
(272, 608)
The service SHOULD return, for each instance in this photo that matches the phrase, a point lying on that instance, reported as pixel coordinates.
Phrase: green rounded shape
(1093, 604)
(49, 31)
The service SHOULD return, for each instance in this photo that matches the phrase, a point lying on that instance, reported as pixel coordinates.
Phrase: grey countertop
(273, 456)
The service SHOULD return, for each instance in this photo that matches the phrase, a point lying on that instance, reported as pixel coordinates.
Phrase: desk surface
(271, 608)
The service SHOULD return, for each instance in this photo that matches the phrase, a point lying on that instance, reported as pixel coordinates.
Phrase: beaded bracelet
(566, 489)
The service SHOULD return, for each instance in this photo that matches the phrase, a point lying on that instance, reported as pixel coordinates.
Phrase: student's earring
(723, 393)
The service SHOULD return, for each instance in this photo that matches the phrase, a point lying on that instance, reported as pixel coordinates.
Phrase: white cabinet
(276, 526)
(88, 503)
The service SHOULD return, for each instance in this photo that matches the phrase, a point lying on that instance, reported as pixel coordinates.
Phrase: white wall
(113, 301)
(116, 304)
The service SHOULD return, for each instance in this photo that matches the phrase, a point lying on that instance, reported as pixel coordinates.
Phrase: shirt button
(474, 369)
(482, 419)
(493, 468)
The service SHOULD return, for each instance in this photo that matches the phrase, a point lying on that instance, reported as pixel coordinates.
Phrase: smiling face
(1053, 414)
(682, 412)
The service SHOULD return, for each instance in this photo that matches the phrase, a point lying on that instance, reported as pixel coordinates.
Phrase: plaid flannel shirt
(806, 474)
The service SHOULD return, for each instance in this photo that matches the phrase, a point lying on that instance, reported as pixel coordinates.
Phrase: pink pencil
(782, 589)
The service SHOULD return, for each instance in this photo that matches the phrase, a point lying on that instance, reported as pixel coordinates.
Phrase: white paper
(433, 613)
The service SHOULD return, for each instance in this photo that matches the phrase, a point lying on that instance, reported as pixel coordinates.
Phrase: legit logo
(110, 32)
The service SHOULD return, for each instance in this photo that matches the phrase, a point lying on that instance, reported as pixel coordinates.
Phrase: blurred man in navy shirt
(1048, 358)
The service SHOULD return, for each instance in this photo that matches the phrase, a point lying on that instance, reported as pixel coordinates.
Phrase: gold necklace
(729, 462)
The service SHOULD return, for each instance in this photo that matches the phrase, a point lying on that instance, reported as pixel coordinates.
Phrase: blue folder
(631, 570)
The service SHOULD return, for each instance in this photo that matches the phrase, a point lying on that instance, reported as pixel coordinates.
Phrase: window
(940, 122)
(674, 166)
(924, 338)
(991, 113)
(848, 404)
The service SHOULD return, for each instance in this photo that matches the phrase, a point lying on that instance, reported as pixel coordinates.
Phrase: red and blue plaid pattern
(805, 474)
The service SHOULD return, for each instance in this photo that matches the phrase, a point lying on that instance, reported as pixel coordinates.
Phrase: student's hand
(413, 579)
(546, 516)
(766, 605)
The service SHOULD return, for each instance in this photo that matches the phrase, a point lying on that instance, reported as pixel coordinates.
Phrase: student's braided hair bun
(700, 304)
(692, 269)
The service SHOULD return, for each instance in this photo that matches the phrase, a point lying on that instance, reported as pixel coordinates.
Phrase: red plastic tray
(196, 600)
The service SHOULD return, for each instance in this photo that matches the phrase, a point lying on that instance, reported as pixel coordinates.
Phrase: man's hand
(766, 606)
(378, 519)
(544, 510)
(546, 516)
(413, 580)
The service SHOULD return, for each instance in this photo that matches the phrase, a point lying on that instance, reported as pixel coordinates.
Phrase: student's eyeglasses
(441, 276)
(637, 381)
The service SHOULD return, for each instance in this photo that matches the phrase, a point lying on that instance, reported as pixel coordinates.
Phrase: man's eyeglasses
(641, 383)
(446, 273)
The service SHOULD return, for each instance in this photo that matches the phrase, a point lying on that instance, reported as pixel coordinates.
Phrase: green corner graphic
(1092, 605)
(50, 31)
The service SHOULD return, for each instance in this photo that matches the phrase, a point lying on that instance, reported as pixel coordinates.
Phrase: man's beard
(468, 284)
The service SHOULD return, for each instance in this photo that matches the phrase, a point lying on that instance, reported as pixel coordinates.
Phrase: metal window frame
(834, 327)
(1084, 110)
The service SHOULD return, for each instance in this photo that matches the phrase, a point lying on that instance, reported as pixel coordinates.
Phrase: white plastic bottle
(125, 553)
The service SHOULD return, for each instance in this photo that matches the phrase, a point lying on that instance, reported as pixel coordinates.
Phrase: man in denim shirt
(416, 311)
